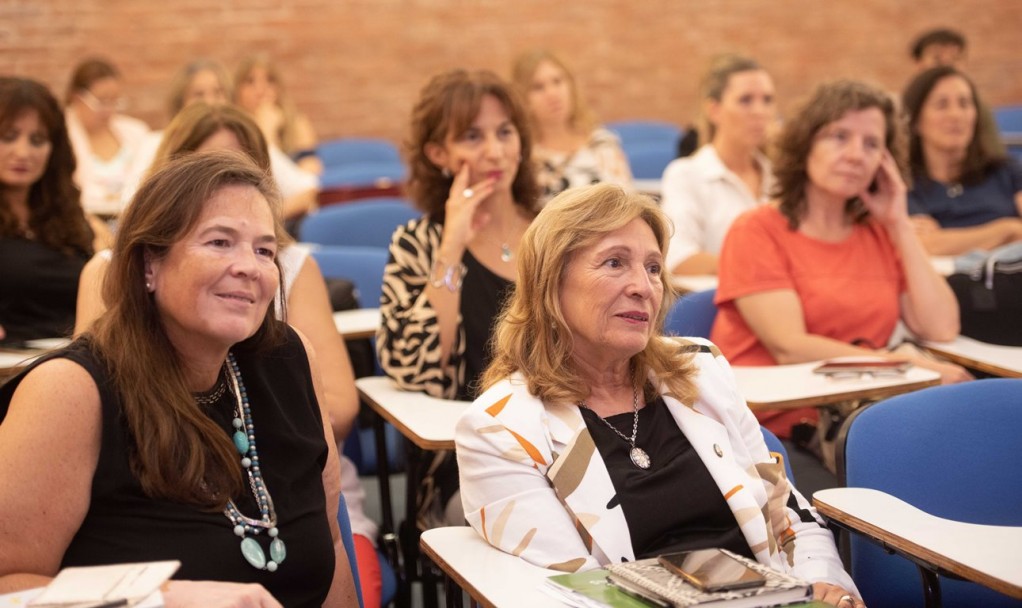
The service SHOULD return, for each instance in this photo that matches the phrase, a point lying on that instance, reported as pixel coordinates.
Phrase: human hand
(924, 224)
(462, 218)
(836, 596)
(216, 594)
(950, 373)
(888, 202)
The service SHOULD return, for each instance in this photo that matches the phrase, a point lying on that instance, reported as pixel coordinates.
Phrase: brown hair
(199, 121)
(713, 84)
(524, 69)
(54, 202)
(183, 80)
(828, 103)
(286, 133)
(940, 36)
(446, 108)
(86, 74)
(531, 335)
(985, 152)
(178, 452)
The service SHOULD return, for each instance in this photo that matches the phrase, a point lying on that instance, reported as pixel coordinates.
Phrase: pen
(110, 604)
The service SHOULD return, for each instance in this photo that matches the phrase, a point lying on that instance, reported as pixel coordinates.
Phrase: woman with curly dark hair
(830, 267)
(45, 237)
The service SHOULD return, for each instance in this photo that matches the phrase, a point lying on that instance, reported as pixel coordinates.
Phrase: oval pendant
(277, 550)
(640, 458)
(253, 553)
(241, 442)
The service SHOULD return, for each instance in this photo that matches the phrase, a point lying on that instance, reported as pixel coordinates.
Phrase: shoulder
(61, 389)
(765, 218)
(602, 136)
(419, 234)
(508, 399)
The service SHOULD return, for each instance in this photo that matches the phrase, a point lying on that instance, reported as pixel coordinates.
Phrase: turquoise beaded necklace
(244, 441)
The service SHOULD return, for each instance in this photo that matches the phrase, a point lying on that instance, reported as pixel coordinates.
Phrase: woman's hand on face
(835, 596)
(216, 594)
(888, 202)
(462, 220)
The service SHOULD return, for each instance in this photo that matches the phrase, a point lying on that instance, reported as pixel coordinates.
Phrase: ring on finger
(846, 598)
(467, 193)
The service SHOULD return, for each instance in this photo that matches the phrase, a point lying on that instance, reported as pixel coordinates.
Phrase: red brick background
(355, 66)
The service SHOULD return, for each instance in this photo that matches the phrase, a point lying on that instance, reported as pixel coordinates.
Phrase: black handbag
(990, 300)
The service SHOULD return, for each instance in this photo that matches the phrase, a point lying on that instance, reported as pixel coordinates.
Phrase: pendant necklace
(244, 442)
(638, 455)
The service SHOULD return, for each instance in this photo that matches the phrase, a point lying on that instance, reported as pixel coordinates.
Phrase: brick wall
(355, 66)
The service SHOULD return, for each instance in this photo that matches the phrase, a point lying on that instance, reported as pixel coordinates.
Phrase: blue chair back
(692, 315)
(353, 150)
(951, 451)
(344, 523)
(363, 266)
(1009, 119)
(376, 174)
(649, 145)
(366, 223)
(774, 445)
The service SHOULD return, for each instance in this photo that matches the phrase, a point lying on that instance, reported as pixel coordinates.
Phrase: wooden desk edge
(982, 366)
(450, 571)
(871, 393)
(357, 335)
(909, 548)
(425, 444)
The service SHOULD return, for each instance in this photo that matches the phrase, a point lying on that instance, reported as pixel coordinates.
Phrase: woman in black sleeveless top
(186, 425)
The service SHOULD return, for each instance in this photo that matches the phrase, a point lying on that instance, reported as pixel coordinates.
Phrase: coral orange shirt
(849, 290)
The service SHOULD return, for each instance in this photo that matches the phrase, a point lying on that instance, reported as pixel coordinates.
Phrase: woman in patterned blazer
(450, 271)
(597, 440)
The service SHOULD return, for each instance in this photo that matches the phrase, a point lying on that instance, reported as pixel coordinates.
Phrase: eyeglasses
(98, 105)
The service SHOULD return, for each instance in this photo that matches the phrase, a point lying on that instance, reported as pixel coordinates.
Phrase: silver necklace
(638, 455)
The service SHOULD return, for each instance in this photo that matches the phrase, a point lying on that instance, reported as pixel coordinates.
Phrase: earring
(445, 172)
(148, 285)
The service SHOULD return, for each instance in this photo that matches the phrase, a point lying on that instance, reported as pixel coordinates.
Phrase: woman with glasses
(104, 140)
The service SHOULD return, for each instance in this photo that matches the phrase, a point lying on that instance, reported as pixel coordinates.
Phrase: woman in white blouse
(704, 193)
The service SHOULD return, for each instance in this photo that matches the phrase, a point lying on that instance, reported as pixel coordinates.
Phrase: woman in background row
(570, 148)
(105, 141)
(260, 91)
(704, 193)
(966, 192)
(45, 237)
(126, 434)
(830, 267)
(450, 271)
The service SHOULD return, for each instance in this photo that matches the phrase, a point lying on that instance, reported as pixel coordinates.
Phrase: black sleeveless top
(482, 297)
(125, 525)
(38, 289)
(674, 505)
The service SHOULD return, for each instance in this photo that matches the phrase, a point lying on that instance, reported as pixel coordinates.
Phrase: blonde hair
(183, 81)
(288, 131)
(524, 68)
(532, 336)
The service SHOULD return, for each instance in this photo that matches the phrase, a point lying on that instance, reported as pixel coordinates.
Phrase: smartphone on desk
(862, 365)
(712, 570)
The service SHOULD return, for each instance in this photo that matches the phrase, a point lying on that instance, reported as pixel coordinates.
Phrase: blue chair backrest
(951, 451)
(1009, 119)
(646, 130)
(649, 145)
(692, 315)
(352, 150)
(366, 223)
(344, 523)
(377, 174)
(774, 445)
(363, 266)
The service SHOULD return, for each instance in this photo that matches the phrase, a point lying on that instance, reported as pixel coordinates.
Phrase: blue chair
(376, 174)
(774, 445)
(366, 223)
(354, 150)
(363, 266)
(649, 145)
(951, 451)
(692, 315)
(349, 546)
(1008, 119)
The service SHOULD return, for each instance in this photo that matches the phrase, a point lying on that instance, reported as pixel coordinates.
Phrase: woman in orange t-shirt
(830, 267)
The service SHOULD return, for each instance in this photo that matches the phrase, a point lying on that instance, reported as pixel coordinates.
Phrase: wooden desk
(652, 187)
(795, 386)
(358, 323)
(491, 577)
(988, 555)
(1003, 361)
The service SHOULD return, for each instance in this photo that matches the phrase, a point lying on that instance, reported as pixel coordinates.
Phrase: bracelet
(447, 275)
